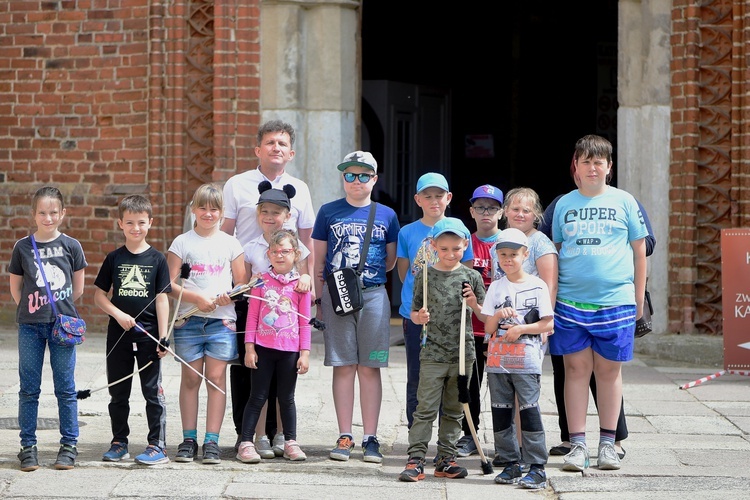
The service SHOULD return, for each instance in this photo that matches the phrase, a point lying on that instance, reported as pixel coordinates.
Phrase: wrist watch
(317, 301)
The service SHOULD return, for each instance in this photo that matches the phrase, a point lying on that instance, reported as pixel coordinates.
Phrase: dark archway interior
(536, 77)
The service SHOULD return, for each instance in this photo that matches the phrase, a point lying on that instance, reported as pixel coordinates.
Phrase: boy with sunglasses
(357, 345)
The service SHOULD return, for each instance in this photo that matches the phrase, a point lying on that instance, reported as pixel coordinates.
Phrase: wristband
(317, 301)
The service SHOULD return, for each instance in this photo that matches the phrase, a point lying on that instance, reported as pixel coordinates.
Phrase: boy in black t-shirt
(138, 277)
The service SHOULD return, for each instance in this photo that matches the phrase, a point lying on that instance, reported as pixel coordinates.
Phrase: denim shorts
(199, 337)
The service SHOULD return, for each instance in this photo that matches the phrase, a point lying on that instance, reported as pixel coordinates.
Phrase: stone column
(644, 127)
(311, 78)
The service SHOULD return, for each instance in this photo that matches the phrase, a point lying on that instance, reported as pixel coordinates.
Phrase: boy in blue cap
(413, 250)
(449, 282)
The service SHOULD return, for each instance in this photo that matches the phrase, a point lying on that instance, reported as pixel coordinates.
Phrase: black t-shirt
(135, 281)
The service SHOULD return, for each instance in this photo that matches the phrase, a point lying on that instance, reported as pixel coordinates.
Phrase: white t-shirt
(210, 261)
(241, 199)
(532, 293)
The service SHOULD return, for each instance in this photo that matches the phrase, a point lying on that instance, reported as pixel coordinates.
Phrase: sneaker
(344, 447)
(466, 447)
(211, 453)
(278, 444)
(237, 443)
(414, 470)
(578, 458)
(293, 452)
(152, 456)
(447, 467)
(371, 450)
(117, 451)
(510, 474)
(607, 458)
(66, 457)
(28, 458)
(536, 479)
(263, 447)
(247, 453)
(187, 451)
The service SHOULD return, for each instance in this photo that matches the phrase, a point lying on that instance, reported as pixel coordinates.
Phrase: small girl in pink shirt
(277, 340)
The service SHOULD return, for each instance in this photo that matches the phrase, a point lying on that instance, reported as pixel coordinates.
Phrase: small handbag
(344, 284)
(67, 330)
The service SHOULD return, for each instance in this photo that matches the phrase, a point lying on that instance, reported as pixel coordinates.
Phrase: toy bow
(163, 343)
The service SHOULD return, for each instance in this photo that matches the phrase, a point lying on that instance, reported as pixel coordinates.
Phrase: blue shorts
(199, 337)
(609, 331)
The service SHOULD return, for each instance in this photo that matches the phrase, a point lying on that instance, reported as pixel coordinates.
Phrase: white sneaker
(278, 444)
(263, 447)
(607, 458)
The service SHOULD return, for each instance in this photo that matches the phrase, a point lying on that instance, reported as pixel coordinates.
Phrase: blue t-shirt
(342, 226)
(414, 245)
(596, 258)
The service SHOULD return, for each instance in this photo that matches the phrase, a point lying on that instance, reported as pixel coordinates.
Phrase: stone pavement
(682, 442)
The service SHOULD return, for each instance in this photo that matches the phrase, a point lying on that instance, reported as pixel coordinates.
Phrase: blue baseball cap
(450, 225)
(431, 179)
(487, 191)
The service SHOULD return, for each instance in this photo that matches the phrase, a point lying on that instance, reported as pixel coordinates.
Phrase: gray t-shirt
(61, 258)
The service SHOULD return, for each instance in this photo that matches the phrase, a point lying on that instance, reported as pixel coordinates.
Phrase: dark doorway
(527, 82)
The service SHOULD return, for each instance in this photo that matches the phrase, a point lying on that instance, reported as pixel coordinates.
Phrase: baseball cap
(278, 197)
(512, 238)
(487, 191)
(450, 225)
(359, 159)
(431, 179)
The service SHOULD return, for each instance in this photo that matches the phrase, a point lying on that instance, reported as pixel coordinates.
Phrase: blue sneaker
(371, 450)
(343, 449)
(117, 452)
(152, 456)
(536, 479)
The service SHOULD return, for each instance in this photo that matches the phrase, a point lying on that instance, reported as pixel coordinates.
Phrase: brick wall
(93, 100)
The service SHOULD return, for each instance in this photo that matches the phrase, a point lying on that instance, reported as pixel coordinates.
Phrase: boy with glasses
(357, 345)
(486, 210)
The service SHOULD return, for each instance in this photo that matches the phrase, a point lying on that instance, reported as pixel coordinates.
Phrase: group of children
(503, 284)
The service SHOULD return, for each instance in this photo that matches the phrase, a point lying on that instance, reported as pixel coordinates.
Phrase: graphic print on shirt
(346, 252)
(588, 225)
(276, 312)
(134, 280)
(55, 276)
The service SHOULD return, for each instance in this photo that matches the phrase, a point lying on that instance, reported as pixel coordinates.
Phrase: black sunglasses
(363, 178)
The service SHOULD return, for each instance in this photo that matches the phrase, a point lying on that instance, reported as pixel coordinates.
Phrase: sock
(606, 436)
(211, 436)
(347, 434)
(191, 434)
(366, 437)
(578, 438)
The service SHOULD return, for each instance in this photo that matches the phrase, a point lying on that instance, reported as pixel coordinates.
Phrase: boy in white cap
(357, 345)
(518, 309)
(450, 281)
(433, 197)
